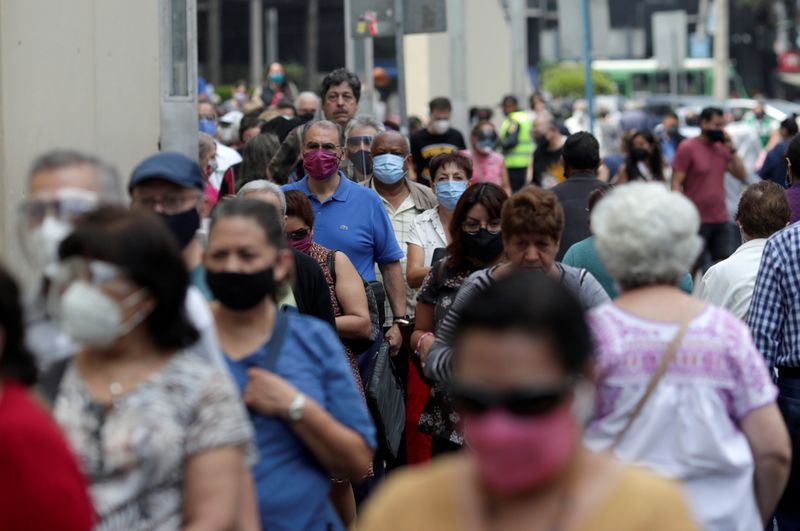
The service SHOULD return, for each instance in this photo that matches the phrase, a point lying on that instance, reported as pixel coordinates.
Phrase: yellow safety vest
(520, 155)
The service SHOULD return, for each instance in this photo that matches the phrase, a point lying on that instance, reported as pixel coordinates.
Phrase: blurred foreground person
(793, 175)
(61, 186)
(521, 383)
(774, 167)
(159, 432)
(310, 419)
(41, 486)
(681, 386)
(763, 210)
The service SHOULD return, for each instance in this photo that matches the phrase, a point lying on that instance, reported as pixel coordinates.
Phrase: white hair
(308, 94)
(646, 234)
(261, 185)
(364, 121)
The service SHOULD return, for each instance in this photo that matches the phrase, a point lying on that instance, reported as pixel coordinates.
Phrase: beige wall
(80, 74)
(488, 60)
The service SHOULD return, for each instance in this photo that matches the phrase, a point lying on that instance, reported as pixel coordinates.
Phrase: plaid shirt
(774, 317)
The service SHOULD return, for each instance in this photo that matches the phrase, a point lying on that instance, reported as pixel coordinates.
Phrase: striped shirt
(774, 317)
(580, 282)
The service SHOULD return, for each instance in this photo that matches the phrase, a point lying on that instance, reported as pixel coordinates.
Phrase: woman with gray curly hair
(681, 387)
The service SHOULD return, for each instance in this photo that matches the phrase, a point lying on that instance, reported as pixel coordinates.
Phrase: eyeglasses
(522, 402)
(67, 206)
(299, 234)
(472, 226)
(172, 203)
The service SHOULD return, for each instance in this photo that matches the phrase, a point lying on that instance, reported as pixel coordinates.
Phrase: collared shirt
(730, 283)
(354, 221)
(776, 300)
(418, 200)
(428, 232)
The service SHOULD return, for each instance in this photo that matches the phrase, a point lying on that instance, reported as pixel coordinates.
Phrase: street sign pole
(401, 64)
(587, 64)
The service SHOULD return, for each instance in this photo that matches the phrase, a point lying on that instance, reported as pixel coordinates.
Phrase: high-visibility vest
(520, 155)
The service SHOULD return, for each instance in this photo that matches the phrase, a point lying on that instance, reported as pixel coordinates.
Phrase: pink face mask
(301, 245)
(519, 453)
(320, 164)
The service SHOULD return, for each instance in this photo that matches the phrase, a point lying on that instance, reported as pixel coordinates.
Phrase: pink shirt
(704, 165)
(488, 169)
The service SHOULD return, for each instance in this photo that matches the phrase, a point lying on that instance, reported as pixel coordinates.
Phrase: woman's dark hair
(793, 154)
(298, 205)
(16, 361)
(440, 161)
(144, 248)
(491, 196)
(790, 125)
(655, 161)
(256, 154)
(535, 304)
(261, 212)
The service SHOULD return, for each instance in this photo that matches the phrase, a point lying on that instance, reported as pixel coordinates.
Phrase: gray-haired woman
(710, 421)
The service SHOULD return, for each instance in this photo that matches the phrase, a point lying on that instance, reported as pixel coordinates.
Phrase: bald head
(390, 142)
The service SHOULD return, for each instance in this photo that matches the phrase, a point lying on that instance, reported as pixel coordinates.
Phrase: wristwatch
(403, 320)
(295, 411)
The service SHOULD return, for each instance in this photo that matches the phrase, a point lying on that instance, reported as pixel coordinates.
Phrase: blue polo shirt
(353, 220)
(291, 486)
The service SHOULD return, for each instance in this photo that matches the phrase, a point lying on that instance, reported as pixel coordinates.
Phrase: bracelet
(420, 340)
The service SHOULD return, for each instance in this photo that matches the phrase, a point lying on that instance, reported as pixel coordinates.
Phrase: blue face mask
(208, 126)
(276, 78)
(388, 168)
(449, 192)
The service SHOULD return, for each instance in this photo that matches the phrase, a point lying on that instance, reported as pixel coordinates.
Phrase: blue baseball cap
(168, 166)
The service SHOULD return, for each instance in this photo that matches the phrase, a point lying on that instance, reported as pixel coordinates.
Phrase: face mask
(229, 135)
(94, 319)
(672, 132)
(759, 115)
(440, 127)
(208, 126)
(276, 78)
(41, 243)
(241, 97)
(302, 245)
(714, 135)
(361, 161)
(388, 168)
(449, 192)
(483, 245)
(320, 165)
(640, 154)
(184, 225)
(540, 139)
(241, 291)
(485, 146)
(515, 454)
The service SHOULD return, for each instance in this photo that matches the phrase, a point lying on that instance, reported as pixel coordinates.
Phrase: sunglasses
(298, 234)
(522, 402)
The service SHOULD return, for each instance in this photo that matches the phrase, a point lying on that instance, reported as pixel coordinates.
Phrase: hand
(268, 393)
(425, 348)
(395, 339)
(729, 142)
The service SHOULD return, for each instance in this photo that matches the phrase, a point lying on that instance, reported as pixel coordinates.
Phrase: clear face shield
(358, 148)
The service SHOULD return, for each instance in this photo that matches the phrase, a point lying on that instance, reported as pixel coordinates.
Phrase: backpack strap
(275, 344)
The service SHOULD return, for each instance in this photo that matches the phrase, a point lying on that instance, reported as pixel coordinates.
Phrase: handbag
(386, 401)
(661, 370)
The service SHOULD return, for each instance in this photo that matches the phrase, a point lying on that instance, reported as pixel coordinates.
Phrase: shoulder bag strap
(275, 344)
(661, 370)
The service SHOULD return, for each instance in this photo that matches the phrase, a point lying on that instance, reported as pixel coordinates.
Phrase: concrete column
(214, 41)
(256, 42)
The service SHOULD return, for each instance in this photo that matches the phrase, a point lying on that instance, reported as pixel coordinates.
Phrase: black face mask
(640, 154)
(714, 135)
(183, 225)
(672, 132)
(241, 291)
(362, 162)
(540, 140)
(483, 245)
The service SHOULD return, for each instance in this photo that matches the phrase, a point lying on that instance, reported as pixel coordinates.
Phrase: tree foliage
(567, 81)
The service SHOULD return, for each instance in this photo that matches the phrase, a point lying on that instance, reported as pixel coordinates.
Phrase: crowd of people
(324, 324)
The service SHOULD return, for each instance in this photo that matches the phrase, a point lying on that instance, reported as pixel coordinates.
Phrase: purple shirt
(793, 195)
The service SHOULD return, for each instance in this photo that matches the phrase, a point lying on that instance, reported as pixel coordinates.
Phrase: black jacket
(574, 197)
(310, 289)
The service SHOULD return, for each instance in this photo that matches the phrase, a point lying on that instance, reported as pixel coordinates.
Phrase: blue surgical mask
(388, 168)
(449, 192)
(276, 78)
(208, 126)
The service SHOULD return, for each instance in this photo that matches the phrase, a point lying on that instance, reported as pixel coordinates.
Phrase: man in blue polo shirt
(350, 218)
